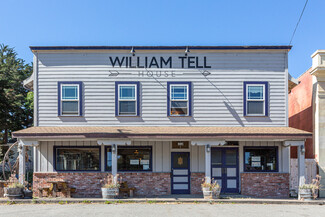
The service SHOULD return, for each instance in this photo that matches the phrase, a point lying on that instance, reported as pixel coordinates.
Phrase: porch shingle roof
(163, 132)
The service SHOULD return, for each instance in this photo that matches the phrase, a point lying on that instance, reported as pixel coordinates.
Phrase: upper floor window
(179, 98)
(127, 98)
(255, 98)
(69, 99)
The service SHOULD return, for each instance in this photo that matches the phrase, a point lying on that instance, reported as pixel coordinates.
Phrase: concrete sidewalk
(180, 199)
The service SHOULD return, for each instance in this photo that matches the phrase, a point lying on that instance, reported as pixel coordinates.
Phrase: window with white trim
(70, 100)
(127, 99)
(255, 99)
(179, 99)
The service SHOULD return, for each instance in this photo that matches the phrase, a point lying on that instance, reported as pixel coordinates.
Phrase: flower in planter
(313, 187)
(210, 188)
(110, 182)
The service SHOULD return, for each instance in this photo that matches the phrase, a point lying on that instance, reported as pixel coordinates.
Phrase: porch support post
(114, 144)
(22, 161)
(22, 157)
(301, 166)
(301, 161)
(114, 162)
(208, 163)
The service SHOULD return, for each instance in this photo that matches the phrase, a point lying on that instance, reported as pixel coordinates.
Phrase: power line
(294, 32)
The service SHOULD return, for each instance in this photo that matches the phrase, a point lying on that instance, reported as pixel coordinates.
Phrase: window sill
(70, 116)
(256, 116)
(134, 171)
(127, 116)
(261, 172)
(77, 171)
(179, 116)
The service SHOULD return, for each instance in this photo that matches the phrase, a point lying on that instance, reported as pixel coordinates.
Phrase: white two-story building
(163, 118)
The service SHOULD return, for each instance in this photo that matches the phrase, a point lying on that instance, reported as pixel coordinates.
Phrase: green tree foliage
(16, 103)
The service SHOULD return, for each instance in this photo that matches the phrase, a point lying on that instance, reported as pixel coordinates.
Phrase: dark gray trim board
(259, 47)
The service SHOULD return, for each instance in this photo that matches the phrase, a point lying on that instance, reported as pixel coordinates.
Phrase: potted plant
(210, 189)
(110, 188)
(310, 191)
(216, 189)
(14, 189)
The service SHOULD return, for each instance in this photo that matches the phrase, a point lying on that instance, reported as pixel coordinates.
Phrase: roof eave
(28, 83)
(162, 136)
(62, 48)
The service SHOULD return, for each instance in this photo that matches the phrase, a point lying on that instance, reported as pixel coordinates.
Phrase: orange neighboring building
(301, 111)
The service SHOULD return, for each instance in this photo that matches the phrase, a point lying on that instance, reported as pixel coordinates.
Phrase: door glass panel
(231, 183)
(180, 179)
(180, 161)
(231, 157)
(216, 157)
(231, 172)
(216, 172)
(180, 186)
(180, 172)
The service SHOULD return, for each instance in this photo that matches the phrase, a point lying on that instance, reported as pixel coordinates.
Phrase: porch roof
(177, 132)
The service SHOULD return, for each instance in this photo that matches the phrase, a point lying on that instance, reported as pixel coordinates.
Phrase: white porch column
(301, 166)
(22, 157)
(208, 163)
(114, 162)
(114, 144)
(22, 162)
(208, 144)
(301, 161)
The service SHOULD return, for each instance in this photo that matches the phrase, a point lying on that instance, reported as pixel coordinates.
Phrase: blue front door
(180, 175)
(225, 170)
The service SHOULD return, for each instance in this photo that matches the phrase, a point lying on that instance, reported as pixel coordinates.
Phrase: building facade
(306, 111)
(163, 118)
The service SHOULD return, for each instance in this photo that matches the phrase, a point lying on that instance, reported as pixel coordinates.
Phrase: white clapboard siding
(217, 98)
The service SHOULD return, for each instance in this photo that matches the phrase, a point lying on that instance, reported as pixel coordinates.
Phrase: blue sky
(165, 22)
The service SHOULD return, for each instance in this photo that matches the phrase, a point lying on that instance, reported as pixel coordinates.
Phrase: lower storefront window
(77, 158)
(130, 159)
(261, 159)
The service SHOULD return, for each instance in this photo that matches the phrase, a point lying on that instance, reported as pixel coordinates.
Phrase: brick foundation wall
(265, 184)
(88, 184)
(196, 181)
(148, 184)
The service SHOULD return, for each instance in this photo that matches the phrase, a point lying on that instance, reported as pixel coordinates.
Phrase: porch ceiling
(179, 132)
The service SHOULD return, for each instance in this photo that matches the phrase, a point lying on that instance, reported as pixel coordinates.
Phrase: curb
(154, 201)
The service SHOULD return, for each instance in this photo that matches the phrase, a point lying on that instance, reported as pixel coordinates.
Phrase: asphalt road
(166, 210)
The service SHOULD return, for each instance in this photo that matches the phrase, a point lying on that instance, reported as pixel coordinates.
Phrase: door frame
(223, 165)
(172, 175)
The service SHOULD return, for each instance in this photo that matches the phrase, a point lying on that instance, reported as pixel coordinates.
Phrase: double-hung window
(179, 98)
(127, 98)
(70, 98)
(255, 98)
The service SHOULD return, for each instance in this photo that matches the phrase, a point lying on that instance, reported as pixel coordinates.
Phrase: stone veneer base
(265, 184)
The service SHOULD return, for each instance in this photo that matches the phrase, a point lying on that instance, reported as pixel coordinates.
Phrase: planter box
(13, 193)
(306, 194)
(109, 193)
(207, 193)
